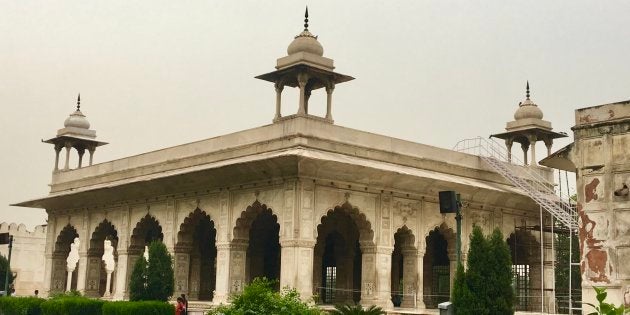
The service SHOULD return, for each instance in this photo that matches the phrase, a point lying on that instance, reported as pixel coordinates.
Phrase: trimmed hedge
(138, 308)
(20, 306)
(73, 306)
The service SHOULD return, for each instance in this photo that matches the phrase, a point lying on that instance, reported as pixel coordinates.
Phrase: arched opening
(437, 266)
(147, 230)
(404, 268)
(97, 268)
(338, 255)
(196, 244)
(258, 227)
(525, 251)
(60, 255)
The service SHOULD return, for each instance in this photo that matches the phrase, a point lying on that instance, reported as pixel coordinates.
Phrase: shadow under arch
(259, 229)
(438, 265)
(195, 274)
(96, 273)
(404, 273)
(342, 235)
(60, 253)
(147, 230)
(525, 255)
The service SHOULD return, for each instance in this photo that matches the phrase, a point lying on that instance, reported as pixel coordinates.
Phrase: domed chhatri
(306, 68)
(527, 128)
(305, 41)
(76, 133)
(528, 109)
(77, 119)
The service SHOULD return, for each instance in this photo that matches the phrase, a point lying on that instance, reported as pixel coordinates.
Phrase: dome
(528, 109)
(305, 42)
(77, 120)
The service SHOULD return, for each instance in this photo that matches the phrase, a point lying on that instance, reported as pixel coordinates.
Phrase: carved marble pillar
(376, 276)
(420, 279)
(93, 274)
(81, 152)
(238, 254)
(329, 90)
(57, 151)
(222, 289)
(194, 277)
(279, 88)
(525, 148)
(532, 140)
(548, 144)
(508, 145)
(410, 277)
(296, 269)
(182, 268)
(66, 166)
(302, 80)
(48, 271)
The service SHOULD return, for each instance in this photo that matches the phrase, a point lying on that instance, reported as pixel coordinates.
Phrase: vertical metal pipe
(542, 265)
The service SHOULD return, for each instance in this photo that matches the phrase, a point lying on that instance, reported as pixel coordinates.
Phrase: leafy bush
(72, 305)
(486, 286)
(20, 306)
(138, 308)
(356, 310)
(605, 308)
(259, 297)
(4, 264)
(153, 280)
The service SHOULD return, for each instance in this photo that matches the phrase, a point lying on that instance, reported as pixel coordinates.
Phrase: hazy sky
(154, 74)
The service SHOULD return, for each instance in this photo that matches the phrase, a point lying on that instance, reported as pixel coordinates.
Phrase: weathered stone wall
(601, 154)
(27, 258)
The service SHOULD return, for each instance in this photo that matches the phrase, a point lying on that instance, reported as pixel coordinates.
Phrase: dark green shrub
(153, 280)
(72, 305)
(356, 310)
(259, 297)
(20, 306)
(486, 286)
(138, 281)
(4, 264)
(138, 308)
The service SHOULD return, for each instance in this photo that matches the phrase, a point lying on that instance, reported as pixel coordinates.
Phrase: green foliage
(259, 297)
(605, 308)
(138, 308)
(153, 280)
(20, 306)
(4, 264)
(138, 281)
(72, 305)
(486, 286)
(160, 274)
(61, 295)
(356, 310)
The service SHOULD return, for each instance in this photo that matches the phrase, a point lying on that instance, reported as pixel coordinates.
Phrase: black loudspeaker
(448, 201)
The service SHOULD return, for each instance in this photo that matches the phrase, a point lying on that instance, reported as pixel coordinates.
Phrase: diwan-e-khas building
(342, 215)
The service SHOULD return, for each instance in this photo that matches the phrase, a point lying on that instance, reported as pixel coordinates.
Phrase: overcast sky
(154, 74)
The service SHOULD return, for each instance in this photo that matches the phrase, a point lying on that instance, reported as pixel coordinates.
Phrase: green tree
(486, 286)
(160, 274)
(138, 281)
(259, 297)
(4, 264)
(153, 280)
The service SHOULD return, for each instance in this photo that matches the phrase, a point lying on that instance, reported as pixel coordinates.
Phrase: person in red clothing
(180, 309)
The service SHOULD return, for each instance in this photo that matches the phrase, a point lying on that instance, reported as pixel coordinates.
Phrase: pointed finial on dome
(527, 90)
(306, 19)
(79, 102)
